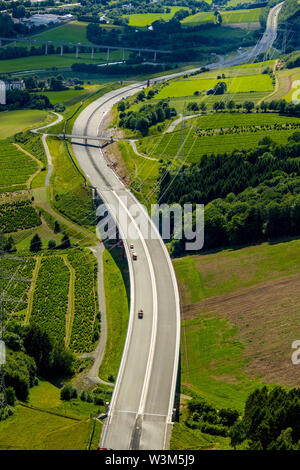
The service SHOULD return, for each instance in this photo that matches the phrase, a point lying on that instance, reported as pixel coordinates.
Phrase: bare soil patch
(268, 319)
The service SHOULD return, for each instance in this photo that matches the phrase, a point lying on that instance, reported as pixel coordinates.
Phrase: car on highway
(134, 256)
(141, 313)
(131, 246)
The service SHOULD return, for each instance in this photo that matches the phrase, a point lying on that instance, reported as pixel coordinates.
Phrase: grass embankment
(116, 286)
(47, 431)
(239, 320)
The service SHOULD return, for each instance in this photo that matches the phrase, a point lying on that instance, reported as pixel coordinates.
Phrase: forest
(249, 196)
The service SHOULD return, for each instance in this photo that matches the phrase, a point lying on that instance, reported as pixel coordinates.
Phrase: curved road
(142, 403)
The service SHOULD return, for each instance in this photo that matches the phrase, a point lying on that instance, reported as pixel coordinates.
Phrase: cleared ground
(239, 319)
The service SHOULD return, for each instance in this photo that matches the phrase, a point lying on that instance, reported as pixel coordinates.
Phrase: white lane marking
(155, 312)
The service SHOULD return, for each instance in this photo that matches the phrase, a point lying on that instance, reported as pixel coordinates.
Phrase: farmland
(19, 215)
(254, 83)
(228, 299)
(51, 296)
(85, 301)
(15, 168)
(195, 145)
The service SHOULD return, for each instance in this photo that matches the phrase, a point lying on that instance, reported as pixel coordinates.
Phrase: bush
(51, 244)
(68, 392)
(10, 396)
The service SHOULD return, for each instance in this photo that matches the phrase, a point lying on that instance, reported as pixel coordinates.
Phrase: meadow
(146, 19)
(228, 298)
(75, 31)
(17, 121)
(234, 16)
(70, 96)
(243, 84)
(48, 430)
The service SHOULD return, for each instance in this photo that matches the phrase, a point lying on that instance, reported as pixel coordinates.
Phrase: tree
(68, 392)
(19, 12)
(10, 396)
(36, 243)
(220, 88)
(51, 244)
(56, 227)
(237, 434)
(248, 105)
(65, 242)
(231, 105)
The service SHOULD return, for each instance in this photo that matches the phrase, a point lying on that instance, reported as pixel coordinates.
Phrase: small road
(47, 151)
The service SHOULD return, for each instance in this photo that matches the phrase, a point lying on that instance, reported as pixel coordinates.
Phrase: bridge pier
(46, 48)
(0, 42)
(61, 50)
(77, 51)
(92, 53)
(123, 55)
(154, 56)
(107, 56)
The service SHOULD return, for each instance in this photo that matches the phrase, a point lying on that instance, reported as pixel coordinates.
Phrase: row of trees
(32, 353)
(23, 99)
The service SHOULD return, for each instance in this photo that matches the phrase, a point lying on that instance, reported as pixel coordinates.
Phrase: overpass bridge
(77, 45)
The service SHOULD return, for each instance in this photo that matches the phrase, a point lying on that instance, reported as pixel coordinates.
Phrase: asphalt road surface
(142, 404)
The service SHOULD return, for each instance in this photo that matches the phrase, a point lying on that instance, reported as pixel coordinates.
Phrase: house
(15, 85)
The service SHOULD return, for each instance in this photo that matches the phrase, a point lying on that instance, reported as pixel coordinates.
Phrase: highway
(142, 404)
(141, 408)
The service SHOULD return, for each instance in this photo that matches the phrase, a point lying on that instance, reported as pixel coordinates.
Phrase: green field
(117, 312)
(16, 121)
(75, 31)
(145, 19)
(244, 84)
(48, 431)
(229, 120)
(168, 145)
(49, 61)
(70, 96)
(235, 16)
(221, 340)
(15, 167)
